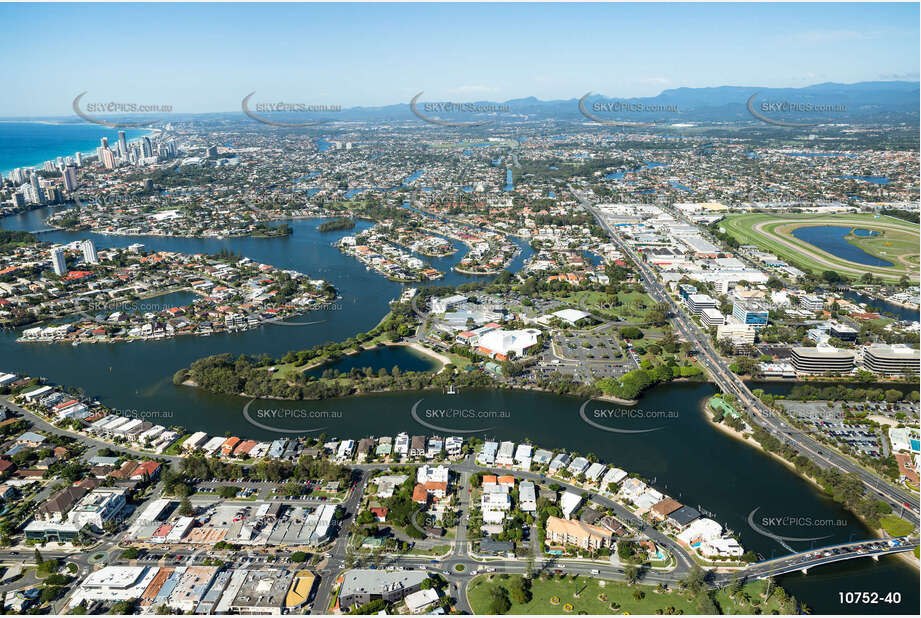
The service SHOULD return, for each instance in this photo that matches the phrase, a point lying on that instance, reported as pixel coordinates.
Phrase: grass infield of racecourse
(896, 241)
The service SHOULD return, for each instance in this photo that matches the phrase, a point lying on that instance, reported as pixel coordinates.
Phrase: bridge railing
(905, 543)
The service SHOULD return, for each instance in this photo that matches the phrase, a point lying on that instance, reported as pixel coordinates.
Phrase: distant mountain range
(891, 102)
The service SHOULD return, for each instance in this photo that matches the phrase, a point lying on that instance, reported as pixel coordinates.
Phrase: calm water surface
(683, 456)
(832, 238)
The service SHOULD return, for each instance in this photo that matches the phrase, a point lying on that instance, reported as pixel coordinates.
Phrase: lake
(832, 239)
(381, 357)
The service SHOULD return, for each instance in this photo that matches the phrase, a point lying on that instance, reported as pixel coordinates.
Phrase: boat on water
(451, 390)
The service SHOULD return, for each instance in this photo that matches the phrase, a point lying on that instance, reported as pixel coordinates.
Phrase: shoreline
(732, 433)
(418, 347)
(148, 131)
(444, 360)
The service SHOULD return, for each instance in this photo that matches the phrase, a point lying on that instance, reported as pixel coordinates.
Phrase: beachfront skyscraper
(108, 159)
(122, 145)
(145, 149)
(38, 195)
(70, 178)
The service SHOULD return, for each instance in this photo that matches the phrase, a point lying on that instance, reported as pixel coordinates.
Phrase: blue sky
(206, 57)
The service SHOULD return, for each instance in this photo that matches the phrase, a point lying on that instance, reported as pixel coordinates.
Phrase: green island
(339, 223)
(261, 230)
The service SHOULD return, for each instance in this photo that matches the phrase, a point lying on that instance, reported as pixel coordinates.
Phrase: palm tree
(631, 573)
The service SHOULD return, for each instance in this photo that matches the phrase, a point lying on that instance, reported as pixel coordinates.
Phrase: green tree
(185, 507)
(499, 602)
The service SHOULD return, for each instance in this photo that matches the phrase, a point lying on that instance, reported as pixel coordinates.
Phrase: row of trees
(847, 488)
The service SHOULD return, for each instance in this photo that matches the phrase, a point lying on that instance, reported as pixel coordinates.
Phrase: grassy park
(583, 595)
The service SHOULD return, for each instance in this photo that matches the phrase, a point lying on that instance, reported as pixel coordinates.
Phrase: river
(683, 455)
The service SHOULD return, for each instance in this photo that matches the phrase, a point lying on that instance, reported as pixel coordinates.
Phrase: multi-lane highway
(728, 382)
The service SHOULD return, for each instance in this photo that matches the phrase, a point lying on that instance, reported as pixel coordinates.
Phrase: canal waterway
(681, 455)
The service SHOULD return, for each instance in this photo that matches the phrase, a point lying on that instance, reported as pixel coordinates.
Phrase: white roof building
(401, 446)
(614, 475)
(595, 472)
(570, 316)
(569, 502)
(487, 455)
(527, 497)
(432, 474)
(632, 489)
(114, 583)
(523, 456)
(702, 529)
(505, 455)
(454, 445)
(213, 444)
(419, 601)
(578, 466)
(721, 547)
(502, 342)
(194, 441)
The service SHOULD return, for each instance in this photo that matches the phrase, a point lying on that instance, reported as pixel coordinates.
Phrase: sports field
(896, 241)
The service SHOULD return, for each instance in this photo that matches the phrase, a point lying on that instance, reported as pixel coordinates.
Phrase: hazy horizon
(205, 58)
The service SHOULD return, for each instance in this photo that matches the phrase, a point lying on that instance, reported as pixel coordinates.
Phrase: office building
(737, 333)
(811, 302)
(440, 305)
(842, 332)
(360, 586)
(821, 359)
(698, 302)
(114, 583)
(685, 290)
(712, 317)
(891, 359)
(752, 311)
(100, 506)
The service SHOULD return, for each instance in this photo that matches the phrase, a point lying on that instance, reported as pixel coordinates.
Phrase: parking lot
(828, 420)
(587, 356)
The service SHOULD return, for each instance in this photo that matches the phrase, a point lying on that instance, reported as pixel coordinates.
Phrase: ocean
(27, 144)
